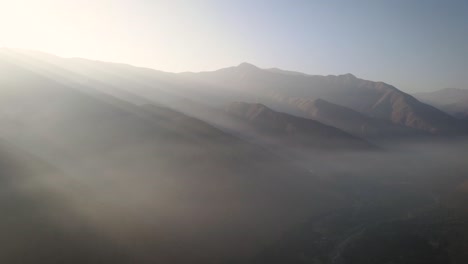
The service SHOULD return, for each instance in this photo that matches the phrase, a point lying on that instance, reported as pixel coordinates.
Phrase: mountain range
(287, 92)
(375, 107)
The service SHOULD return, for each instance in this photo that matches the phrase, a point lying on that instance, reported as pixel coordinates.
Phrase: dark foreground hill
(39, 224)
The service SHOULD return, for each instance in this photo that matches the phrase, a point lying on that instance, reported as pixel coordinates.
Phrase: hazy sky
(414, 45)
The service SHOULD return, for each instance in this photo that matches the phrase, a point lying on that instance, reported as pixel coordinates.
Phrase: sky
(415, 45)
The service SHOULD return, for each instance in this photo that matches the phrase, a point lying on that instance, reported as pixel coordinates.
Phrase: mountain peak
(247, 66)
(350, 75)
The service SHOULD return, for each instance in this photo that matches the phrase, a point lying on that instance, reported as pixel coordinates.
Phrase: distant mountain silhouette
(451, 100)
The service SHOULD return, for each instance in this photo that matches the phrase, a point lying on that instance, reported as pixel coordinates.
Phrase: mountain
(110, 163)
(350, 120)
(451, 100)
(135, 85)
(295, 131)
(155, 183)
(280, 90)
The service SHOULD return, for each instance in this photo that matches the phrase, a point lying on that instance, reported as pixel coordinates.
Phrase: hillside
(295, 131)
(39, 220)
(148, 179)
(351, 121)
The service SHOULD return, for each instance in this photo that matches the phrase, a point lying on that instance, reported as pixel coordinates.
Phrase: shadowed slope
(295, 131)
(351, 121)
(38, 223)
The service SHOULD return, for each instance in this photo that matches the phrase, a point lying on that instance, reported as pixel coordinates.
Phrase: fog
(220, 217)
(105, 163)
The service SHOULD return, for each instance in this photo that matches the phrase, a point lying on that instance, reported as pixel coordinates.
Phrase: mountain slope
(349, 120)
(153, 180)
(294, 131)
(38, 221)
(120, 82)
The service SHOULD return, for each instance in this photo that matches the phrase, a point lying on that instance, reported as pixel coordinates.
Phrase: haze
(241, 132)
(417, 46)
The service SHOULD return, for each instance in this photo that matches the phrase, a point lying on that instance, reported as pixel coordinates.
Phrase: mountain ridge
(247, 82)
(375, 99)
(301, 132)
